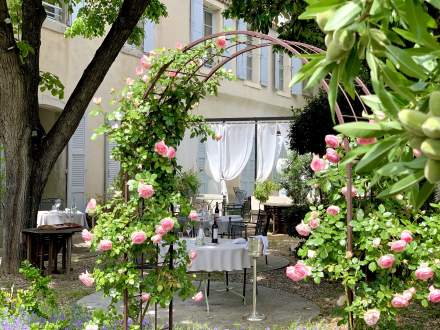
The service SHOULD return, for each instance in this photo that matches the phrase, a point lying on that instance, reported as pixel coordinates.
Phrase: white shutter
(149, 37)
(75, 11)
(112, 166)
(76, 179)
(241, 59)
(201, 168)
(247, 177)
(196, 19)
(264, 65)
(296, 65)
(276, 57)
(228, 25)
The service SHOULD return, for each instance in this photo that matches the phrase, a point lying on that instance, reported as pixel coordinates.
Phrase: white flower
(376, 242)
(91, 327)
(311, 254)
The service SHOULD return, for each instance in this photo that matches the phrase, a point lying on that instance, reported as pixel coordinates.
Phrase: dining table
(56, 217)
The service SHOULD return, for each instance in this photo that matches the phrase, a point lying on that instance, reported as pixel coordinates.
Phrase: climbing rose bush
(395, 260)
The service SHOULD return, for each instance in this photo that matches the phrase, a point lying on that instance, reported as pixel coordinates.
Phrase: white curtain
(186, 154)
(268, 149)
(227, 158)
(284, 129)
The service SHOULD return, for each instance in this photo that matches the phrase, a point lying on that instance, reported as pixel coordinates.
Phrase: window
(279, 71)
(249, 60)
(54, 11)
(208, 22)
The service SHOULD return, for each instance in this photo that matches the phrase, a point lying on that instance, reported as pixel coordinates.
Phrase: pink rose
(198, 297)
(138, 237)
(193, 255)
(171, 153)
(160, 230)
(332, 141)
(303, 229)
(314, 223)
(353, 191)
(161, 148)
(376, 242)
(434, 295)
(145, 190)
(408, 294)
(86, 279)
(86, 235)
(218, 137)
(365, 141)
(417, 153)
(167, 224)
(406, 236)
(129, 81)
(398, 246)
(221, 42)
(91, 206)
(399, 301)
(371, 317)
(424, 272)
(314, 214)
(172, 74)
(139, 70)
(146, 61)
(179, 45)
(317, 164)
(333, 210)
(193, 216)
(386, 261)
(105, 245)
(332, 156)
(156, 239)
(145, 297)
(298, 272)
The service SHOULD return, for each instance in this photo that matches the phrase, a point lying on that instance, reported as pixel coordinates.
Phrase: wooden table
(55, 239)
(273, 208)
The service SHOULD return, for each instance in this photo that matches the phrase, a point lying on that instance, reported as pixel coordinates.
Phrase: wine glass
(57, 204)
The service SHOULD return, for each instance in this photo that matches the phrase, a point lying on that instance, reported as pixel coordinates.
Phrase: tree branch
(57, 138)
(7, 39)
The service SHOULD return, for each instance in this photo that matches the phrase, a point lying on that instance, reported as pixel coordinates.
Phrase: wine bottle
(214, 228)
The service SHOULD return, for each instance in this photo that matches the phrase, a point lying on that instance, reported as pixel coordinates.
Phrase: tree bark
(30, 155)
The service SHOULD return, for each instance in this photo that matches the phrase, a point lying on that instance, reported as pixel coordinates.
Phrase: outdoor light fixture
(255, 249)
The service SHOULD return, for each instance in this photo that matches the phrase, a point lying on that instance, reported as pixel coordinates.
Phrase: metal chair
(262, 227)
(240, 195)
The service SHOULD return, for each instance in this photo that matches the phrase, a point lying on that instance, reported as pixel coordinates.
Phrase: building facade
(85, 169)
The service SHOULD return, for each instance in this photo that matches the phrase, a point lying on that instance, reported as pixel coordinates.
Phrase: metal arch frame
(293, 47)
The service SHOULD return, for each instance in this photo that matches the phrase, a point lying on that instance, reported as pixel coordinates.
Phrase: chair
(46, 203)
(240, 195)
(262, 227)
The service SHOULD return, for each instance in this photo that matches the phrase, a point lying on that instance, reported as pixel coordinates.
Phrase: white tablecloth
(225, 256)
(61, 217)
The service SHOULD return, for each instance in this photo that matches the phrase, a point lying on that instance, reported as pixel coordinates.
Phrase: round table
(61, 217)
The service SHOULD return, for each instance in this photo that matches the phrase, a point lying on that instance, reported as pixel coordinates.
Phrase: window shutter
(247, 177)
(228, 25)
(296, 65)
(196, 19)
(75, 11)
(112, 166)
(149, 37)
(241, 59)
(276, 70)
(264, 65)
(201, 168)
(76, 179)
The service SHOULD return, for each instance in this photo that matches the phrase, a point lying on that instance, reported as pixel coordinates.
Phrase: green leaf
(355, 153)
(424, 193)
(435, 3)
(333, 91)
(391, 169)
(373, 102)
(405, 63)
(343, 16)
(379, 150)
(360, 129)
(372, 266)
(403, 184)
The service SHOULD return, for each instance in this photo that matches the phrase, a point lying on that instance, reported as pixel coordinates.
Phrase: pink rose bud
(221, 42)
(86, 279)
(353, 191)
(399, 301)
(179, 45)
(138, 237)
(129, 81)
(171, 153)
(193, 216)
(161, 148)
(160, 230)
(332, 141)
(218, 137)
(398, 246)
(198, 297)
(145, 297)
(417, 153)
(408, 294)
(172, 74)
(366, 141)
(145, 78)
(303, 229)
(406, 236)
(424, 272)
(314, 214)
(333, 210)
(434, 295)
(91, 206)
(298, 272)
(105, 245)
(332, 156)
(376, 242)
(146, 61)
(145, 190)
(86, 235)
(167, 224)
(386, 261)
(156, 239)
(193, 255)
(139, 70)
(371, 317)
(314, 223)
(317, 164)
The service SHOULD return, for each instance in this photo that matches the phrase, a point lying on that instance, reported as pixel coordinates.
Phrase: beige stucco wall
(69, 57)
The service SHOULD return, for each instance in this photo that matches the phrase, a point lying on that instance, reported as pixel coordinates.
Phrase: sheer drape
(284, 129)
(268, 149)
